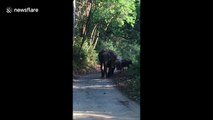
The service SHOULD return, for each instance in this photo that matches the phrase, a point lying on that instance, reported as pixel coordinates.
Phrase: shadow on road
(98, 99)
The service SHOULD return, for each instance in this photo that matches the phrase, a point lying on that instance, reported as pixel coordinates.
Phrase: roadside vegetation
(112, 24)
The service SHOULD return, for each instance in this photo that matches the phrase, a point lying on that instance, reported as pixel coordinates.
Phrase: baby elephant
(118, 63)
(125, 63)
(122, 63)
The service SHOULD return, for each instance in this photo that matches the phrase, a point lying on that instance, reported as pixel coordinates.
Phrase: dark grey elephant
(121, 63)
(126, 63)
(107, 59)
(118, 63)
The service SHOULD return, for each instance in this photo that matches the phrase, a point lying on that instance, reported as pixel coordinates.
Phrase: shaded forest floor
(121, 79)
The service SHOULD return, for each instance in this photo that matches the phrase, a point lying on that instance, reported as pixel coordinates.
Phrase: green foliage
(105, 45)
(118, 22)
(87, 56)
(134, 73)
(122, 47)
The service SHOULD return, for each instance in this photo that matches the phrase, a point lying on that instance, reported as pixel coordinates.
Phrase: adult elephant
(107, 60)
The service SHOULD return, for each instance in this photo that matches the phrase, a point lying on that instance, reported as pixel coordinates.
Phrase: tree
(96, 16)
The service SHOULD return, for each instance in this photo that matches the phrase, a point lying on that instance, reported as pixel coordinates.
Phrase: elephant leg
(113, 69)
(110, 71)
(102, 72)
(108, 75)
(105, 70)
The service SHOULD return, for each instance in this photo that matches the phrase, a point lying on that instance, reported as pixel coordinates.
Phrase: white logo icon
(9, 10)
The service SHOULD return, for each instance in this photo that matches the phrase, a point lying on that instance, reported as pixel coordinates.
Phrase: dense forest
(111, 24)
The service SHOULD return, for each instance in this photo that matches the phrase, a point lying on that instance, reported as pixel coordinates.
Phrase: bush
(105, 45)
(87, 56)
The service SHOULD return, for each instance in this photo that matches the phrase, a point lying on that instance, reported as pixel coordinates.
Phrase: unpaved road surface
(98, 99)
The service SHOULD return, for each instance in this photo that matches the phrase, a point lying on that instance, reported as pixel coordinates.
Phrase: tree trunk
(93, 34)
(96, 40)
(109, 23)
(74, 8)
(85, 27)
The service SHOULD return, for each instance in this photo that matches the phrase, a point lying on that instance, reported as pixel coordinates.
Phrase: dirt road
(98, 99)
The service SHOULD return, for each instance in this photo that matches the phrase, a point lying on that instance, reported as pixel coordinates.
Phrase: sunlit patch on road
(94, 86)
(91, 114)
(98, 99)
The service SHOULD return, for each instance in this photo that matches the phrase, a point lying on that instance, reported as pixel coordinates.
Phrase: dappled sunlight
(91, 114)
(101, 80)
(76, 80)
(113, 44)
(94, 87)
(96, 83)
(94, 115)
(95, 98)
